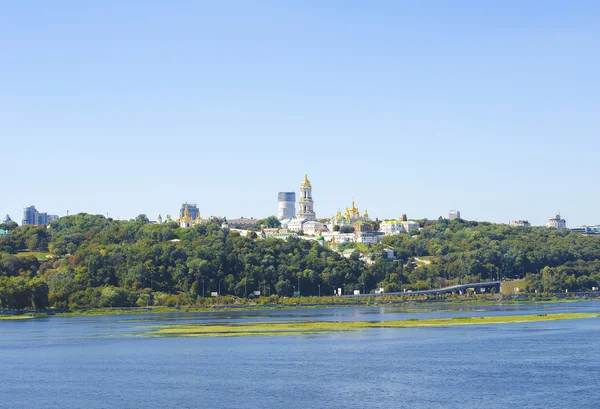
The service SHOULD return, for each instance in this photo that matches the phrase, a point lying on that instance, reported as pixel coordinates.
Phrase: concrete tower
(305, 210)
(286, 208)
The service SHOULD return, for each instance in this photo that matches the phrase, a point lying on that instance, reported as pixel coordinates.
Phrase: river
(109, 362)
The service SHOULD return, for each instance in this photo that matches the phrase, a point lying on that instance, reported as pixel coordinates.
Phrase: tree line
(84, 261)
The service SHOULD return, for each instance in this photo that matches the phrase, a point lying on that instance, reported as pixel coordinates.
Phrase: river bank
(289, 304)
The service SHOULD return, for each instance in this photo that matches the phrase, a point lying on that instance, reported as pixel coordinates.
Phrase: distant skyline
(136, 107)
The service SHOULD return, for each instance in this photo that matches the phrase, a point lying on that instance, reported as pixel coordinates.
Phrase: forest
(88, 261)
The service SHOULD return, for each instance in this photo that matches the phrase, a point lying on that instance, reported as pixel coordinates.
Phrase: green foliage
(346, 229)
(269, 222)
(102, 262)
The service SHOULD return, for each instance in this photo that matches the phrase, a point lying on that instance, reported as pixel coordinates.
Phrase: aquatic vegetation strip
(317, 327)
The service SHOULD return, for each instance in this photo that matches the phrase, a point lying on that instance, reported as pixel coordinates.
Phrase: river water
(97, 362)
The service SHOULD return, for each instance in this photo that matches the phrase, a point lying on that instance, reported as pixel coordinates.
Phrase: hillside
(104, 262)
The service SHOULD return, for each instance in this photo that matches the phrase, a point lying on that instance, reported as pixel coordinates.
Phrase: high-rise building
(192, 211)
(32, 217)
(557, 223)
(454, 214)
(286, 207)
(306, 205)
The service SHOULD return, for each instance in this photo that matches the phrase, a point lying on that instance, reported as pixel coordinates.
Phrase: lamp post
(219, 293)
(294, 293)
(364, 288)
(298, 285)
(319, 285)
(203, 293)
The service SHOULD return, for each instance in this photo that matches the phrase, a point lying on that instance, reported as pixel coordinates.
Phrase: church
(306, 219)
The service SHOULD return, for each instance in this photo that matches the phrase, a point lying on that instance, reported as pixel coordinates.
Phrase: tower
(305, 210)
(286, 208)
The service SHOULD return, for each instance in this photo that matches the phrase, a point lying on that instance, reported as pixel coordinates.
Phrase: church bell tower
(306, 203)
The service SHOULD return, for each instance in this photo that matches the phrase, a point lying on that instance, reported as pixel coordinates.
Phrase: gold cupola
(305, 182)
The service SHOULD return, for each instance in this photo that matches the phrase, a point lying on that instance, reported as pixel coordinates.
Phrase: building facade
(399, 226)
(454, 214)
(242, 222)
(557, 223)
(32, 217)
(586, 229)
(389, 227)
(286, 205)
(519, 223)
(410, 226)
(312, 227)
(369, 237)
(306, 204)
(295, 225)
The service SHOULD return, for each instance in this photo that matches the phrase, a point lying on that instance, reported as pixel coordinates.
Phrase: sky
(130, 107)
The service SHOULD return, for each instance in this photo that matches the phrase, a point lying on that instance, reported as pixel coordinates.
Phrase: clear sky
(129, 107)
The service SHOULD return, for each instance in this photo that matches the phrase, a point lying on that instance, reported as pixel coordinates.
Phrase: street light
(298, 285)
(219, 293)
(319, 285)
(364, 288)
(294, 287)
(203, 293)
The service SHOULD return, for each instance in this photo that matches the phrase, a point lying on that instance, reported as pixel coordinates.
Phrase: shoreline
(28, 314)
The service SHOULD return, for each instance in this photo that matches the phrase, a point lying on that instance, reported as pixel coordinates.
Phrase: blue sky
(128, 107)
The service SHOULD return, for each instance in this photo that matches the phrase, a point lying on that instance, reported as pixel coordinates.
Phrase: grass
(15, 317)
(36, 254)
(320, 327)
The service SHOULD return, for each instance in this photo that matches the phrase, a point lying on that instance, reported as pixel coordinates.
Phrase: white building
(453, 214)
(339, 237)
(370, 237)
(389, 227)
(410, 226)
(557, 223)
(519, 223)
(312, 227)
(295, 225)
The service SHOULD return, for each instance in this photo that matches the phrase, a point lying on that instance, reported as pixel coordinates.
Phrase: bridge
(454, 289)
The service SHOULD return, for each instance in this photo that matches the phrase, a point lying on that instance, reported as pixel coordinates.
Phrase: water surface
(108, 362)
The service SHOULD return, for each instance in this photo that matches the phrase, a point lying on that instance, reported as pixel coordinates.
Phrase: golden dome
(366, 214)
(305, 182)
(186, 215)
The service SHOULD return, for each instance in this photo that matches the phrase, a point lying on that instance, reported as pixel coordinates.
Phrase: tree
(9, 226)
(142, 218)
(271, 222)
(346, 229)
